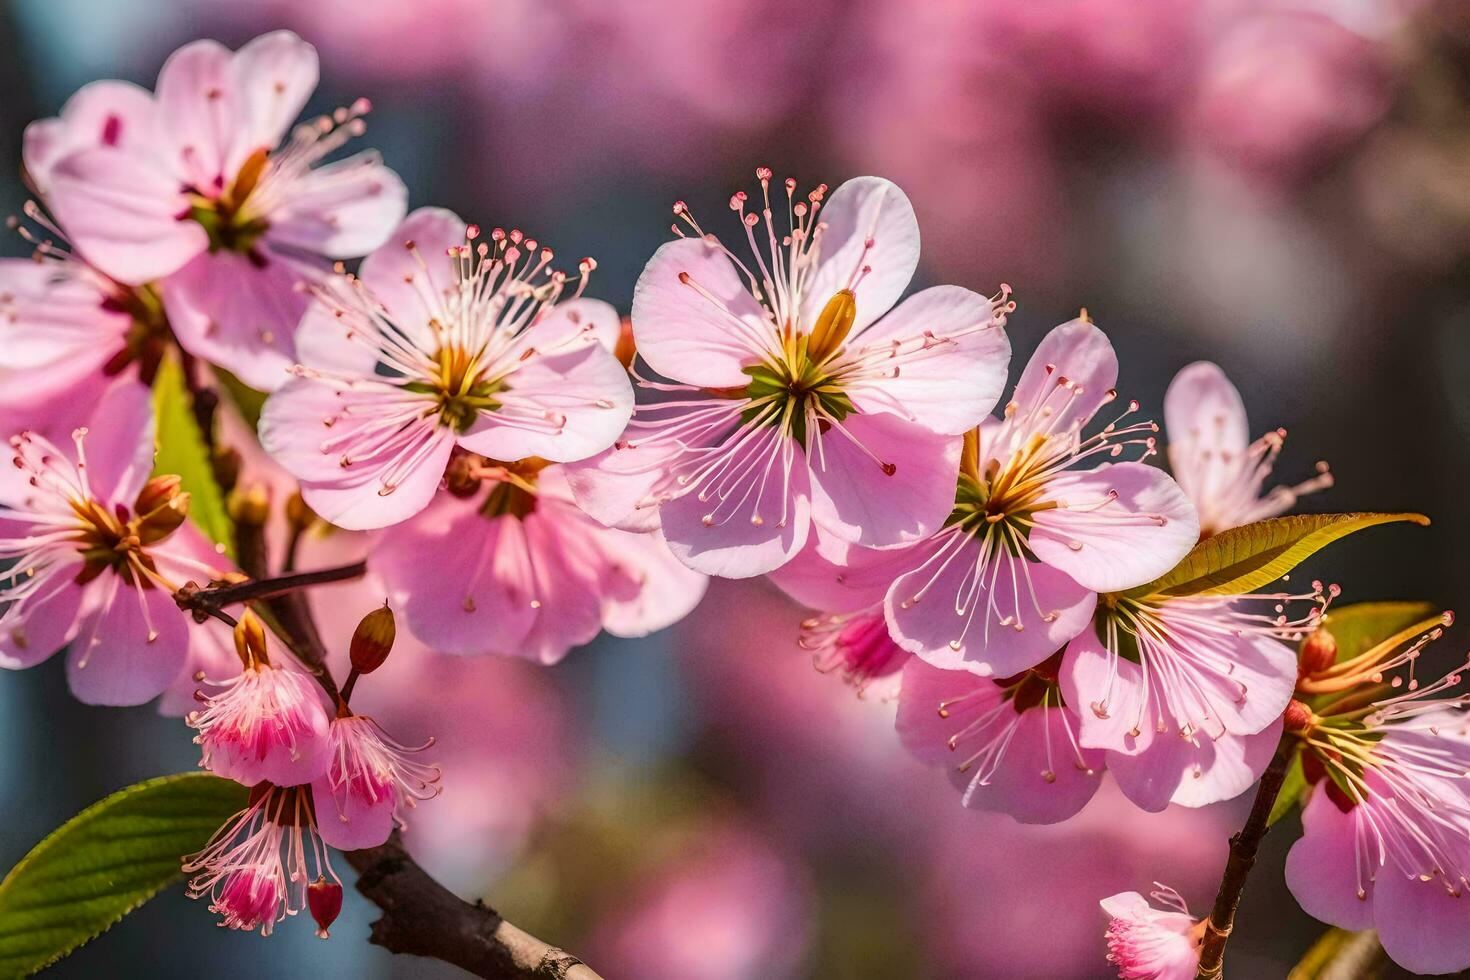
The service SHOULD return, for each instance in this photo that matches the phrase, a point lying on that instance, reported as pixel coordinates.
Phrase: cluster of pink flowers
(459, 412)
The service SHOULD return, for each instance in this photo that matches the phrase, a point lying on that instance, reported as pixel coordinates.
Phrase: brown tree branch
(1243, 848)
(423, 918)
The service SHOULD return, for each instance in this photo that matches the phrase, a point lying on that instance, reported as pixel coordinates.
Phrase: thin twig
(257, 590)
(1243, 848)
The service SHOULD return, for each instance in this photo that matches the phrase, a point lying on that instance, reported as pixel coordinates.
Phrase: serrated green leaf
(1245, 558)
(181, 450)
(1359, 627)
(1293, 788)
(103, 863)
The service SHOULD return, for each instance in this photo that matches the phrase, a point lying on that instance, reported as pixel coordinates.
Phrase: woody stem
(1243, 848)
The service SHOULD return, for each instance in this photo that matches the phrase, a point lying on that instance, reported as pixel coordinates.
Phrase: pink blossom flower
(1213, 458)
(859, 645)
(94, 551)
(798, 403)
(443, 341)
(370, 777)
(1010, 745)
(65, 327)
(523, 571)
(1147, 943)
(728, 906)
(1386, 835)
(212, 202)
(266, 723)
(1032, 537)
(254, 869)
(1186, 693)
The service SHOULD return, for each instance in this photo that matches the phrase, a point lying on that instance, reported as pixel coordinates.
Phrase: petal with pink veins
(121, 211)
(1193, 772)
(1321, 868)
(946, 382)
(276, 74)
(1082, 354)
(868, 224)
(229, 309)
(958, 609)
(560, 406)
(54, 331)
(694, 318)
(349, 818)
(1115, 527)
(751, 525)
(879, 481)
(111, 114)
(344, 209)
(123, 655)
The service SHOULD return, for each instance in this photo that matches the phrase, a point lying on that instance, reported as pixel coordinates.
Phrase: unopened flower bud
(249, 505)
(372, 641)
(1318, 653)
(832, 325)
(1299, 718)
(226, 465)
(324, 898)
(298, 513)
(161, 508)
(625, 349)
(250, 640)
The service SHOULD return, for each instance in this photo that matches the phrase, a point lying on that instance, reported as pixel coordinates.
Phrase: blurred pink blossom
(728, 906)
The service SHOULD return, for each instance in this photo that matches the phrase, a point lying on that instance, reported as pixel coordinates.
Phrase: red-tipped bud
(372, 641)
(1318, 653)
(625, 349)
(250, 640)
(1299, 718)
(324, 898)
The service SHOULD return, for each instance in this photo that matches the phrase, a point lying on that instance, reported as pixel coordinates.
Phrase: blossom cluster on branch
(1045, 604)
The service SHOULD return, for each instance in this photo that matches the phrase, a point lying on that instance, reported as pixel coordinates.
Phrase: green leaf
(182, 450)
(1293, 789)
(1359, 627)
(105, 862)
(1245, 558)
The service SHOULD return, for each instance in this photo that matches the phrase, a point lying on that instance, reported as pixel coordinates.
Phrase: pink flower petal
(694, 319)
(1321, 868)
(1040, 780)
(949, 385)
(1111, 545)
(344, 209)
(863, 210)
(47, 622)
(376, 490)
(1107, 694)
(122, 656)
(615, 487)
(119, 442)
(1421, 925)
(54, 332)
(348, 822)
(880, 481)
(953, 613)
(579, 321)
(1080, 352)
(1193, 773)
(756, 527)
(922, 727)
(645, 588)
(276, 74)
(561, 406)
(109, 113)
(207, 135)
(835, 576)
(412, 283)
(227, 309)
(121, 211)
(1205, 422)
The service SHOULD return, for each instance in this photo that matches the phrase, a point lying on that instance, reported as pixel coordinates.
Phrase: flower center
(117, 539)
(459, 387)
(225, 218)
(799, 384)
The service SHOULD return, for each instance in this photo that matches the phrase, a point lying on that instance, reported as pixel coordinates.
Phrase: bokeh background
(1282, 187)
